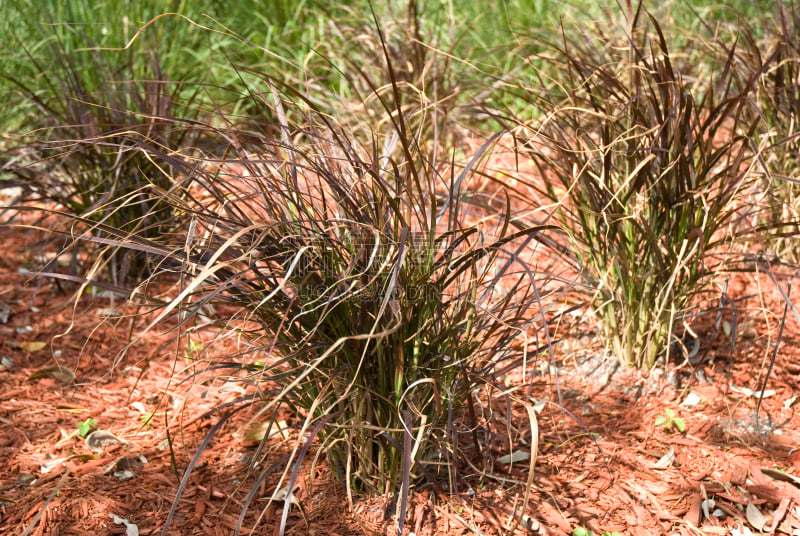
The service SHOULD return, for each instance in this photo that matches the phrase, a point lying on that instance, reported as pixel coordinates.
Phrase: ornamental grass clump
(373, 296)
(775, 57)
(645, 174)
(93, 121)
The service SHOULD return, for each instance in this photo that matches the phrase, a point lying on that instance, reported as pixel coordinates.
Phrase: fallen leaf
(780, 475)
(61, 374)
(707, 506)
(49, 465)
(538, 405)
(691, 400)
(665, 460)
(530, 523)
(100, 439)
(85, 457)
(514, 457)
(755, 517)
(281, 494)
(32, 346)
(257, 431)
(131, 529)
(749, 392)
(726, 328)
(124, 475)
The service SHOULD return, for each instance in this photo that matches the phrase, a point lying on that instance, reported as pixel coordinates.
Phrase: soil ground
(603, 464)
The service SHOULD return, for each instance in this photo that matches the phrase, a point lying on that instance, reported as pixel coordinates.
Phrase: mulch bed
(603, 464)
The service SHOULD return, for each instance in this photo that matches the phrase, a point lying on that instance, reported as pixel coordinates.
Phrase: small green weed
(668, 420)
(191, 350)
(87, 427)
(582, 531)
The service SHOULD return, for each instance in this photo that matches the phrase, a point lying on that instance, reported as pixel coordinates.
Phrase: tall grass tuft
(645, 174)
(97, 118)
(776, 57)
(380, 295)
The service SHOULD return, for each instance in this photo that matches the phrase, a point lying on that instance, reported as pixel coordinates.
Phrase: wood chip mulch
(602, 464)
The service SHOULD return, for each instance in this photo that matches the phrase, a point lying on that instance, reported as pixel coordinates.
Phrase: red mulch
(599, 465)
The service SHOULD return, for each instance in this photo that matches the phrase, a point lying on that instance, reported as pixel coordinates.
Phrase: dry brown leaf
(258, 430)
(514, 457)
(32, 346)
(61, 374)
(755, 517)
(666, 460)
(100, 439)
